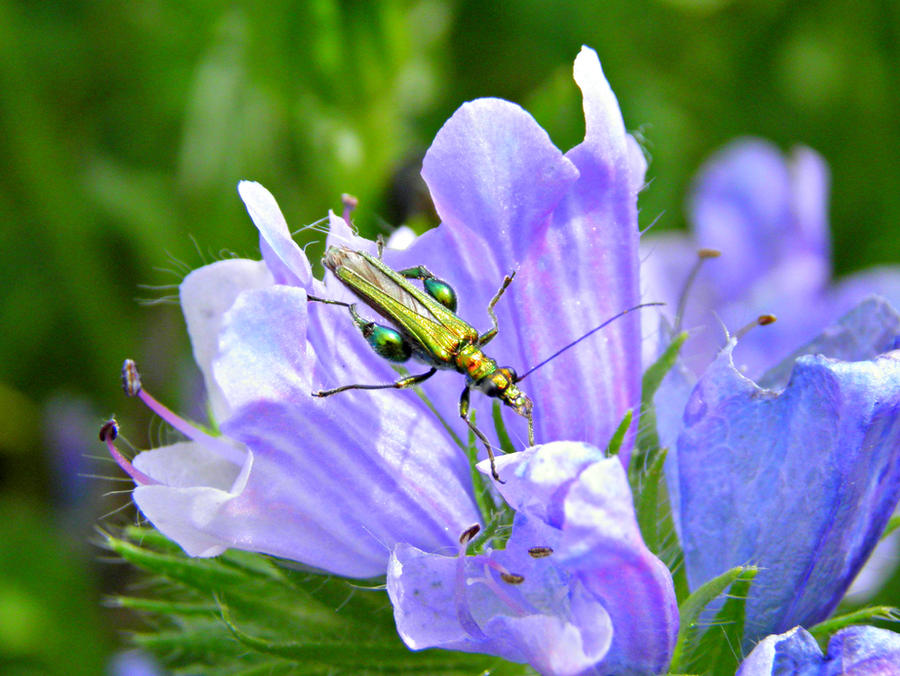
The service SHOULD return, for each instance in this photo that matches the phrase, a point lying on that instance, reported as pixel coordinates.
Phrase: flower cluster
(799, 481)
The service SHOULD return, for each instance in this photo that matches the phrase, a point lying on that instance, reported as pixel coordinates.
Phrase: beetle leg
(464, 414)
(488, 336)
(409, 381)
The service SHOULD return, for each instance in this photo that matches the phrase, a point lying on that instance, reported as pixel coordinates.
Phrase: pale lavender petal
(262, 347)
(286, 260)
(198, 498)
(810, 183)
(854, 651)
(864, 651)
(793, 652)
(569, 614)
(800, 483)
(344, 478)
(206, 294)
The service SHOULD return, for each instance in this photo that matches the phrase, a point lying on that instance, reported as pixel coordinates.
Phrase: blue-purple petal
(854, 651)
(800, 483)
(746, 204)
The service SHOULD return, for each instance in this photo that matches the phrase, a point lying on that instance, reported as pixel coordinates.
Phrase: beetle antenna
(586, 335)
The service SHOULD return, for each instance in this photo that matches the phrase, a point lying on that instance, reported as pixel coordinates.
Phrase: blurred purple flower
(856, 651)
(767, 215)
(336, 483)
(600, 602)
(800, 482)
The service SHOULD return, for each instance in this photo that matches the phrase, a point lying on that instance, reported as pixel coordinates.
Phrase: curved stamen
(502, 591)
(702, 255)
(762, 320)
(132, 382)
(350, 203)
(108, 433)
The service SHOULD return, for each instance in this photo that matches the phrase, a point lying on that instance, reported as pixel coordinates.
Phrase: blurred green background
(126, 126)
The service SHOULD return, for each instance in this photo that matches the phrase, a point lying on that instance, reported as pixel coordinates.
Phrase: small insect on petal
(540, 552)
(466, 536)
(109, 431)
(512, 578)
(131, 378)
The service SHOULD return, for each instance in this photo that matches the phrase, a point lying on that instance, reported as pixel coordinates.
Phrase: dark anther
(708, 253)
(131, 378)
(540, 552)
(512, 578)
(109, 431)
(469, 533)
(763, 320)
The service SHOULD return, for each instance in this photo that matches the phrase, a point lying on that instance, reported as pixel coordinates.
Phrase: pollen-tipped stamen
(108, 433)
(350, 203)
(702, 256)
(132, 382)
(762, 320)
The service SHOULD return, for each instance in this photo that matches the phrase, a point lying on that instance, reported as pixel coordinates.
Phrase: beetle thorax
(474, 363)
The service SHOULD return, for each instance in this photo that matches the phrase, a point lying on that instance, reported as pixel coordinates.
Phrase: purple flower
(594, 601)
(799, 472)
(767, 215)
(336, 483)
(800, 482)
(856, 651)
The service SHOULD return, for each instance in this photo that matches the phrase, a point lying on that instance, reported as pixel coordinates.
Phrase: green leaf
(245, 613)
(691, 609)
(203, 574)
(647, 502)
(615, 443)
(823, 631)
(480, 487)
(647, 439)
(502, 435)
(325, 656)
(164, 607)
(892, 525)
(719, 649)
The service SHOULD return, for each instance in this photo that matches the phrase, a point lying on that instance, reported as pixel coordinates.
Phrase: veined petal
(495, 175)
(510, 201)
(346, 477)
(800, 483)
(206, 294)
(582, 271)
(860, 651)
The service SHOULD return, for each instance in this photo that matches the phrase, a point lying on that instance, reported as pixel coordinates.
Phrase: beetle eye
(511, 374)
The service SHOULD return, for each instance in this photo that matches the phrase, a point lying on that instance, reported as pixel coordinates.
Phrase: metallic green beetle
(428, 329)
